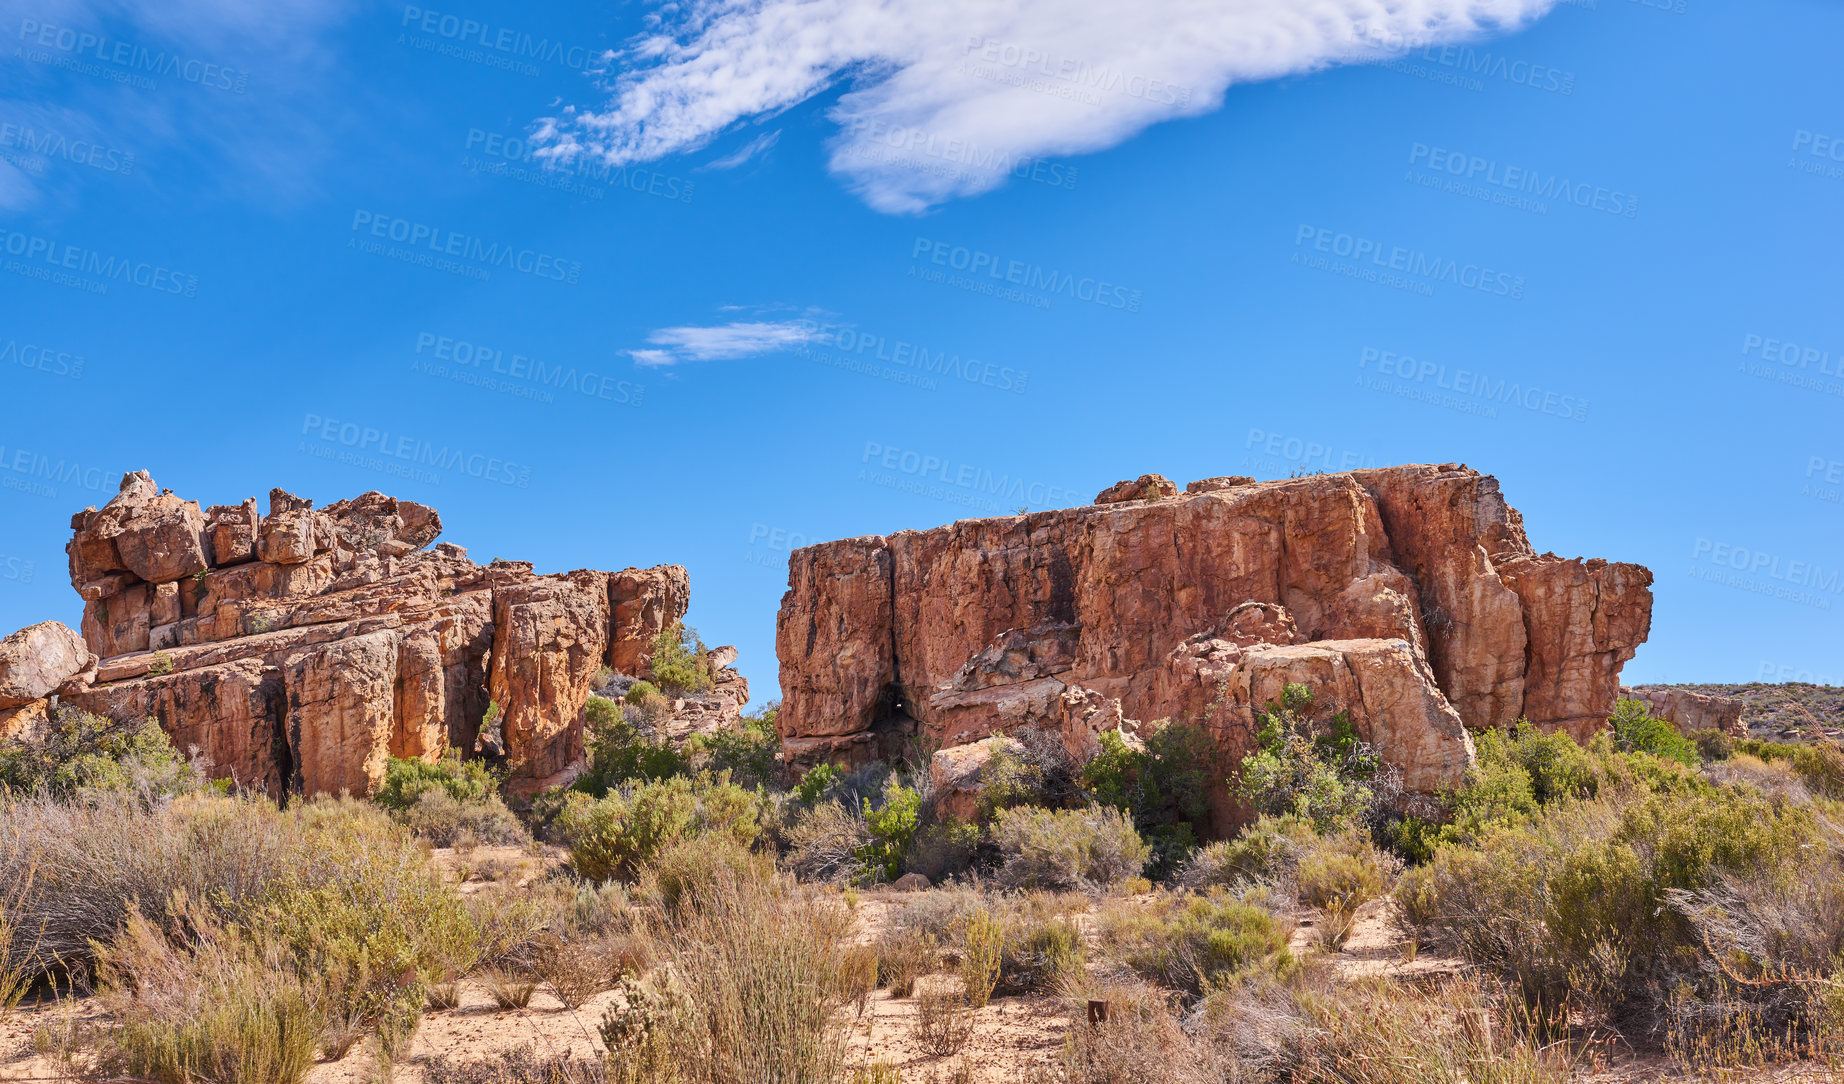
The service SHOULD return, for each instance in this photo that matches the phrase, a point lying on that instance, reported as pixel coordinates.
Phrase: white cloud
(946, 95)
(760, 145)
(721, 342)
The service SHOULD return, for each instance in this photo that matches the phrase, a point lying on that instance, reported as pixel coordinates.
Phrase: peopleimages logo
(510, 43)
(49, 144)
(440, 243)
(855, 343)
(480, 365)
(1397, 260)
(33, 472)
(128, 60)
(43, 359)
(1029, 276)
(1469, 385)
(406, 453)
(87, 269)
(1524, 180)
(977, 486)
(1805, 582)
(17, 569)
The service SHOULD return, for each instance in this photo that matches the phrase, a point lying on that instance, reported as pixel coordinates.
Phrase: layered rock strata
(1409, 596)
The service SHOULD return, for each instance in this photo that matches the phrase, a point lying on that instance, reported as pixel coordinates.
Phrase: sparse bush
(944, 1022)
(756, 961)
(646, 697)
(613, 835)
(1039, 953)
(1596, 903)
(1067, 849)
(943, 848)
(223, 1009)
(520, 1065)
(407, 781)
(749, 751)
(826, 844)
(690, 867)
(1341, 874)
(1819, 764)
(1193, 943)
(508, 991)
(1712, 744)
(1162, 787)
(445, 822)
(1268, 851)
(85, 753)
(903, 956)
(1033, 770)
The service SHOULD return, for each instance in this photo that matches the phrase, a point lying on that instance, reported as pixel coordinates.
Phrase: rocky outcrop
(1688, 710)
(35, 663)
(298, 650)
(1410, 595)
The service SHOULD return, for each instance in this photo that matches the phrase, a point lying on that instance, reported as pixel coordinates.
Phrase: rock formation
(1689, 710)
(1409, 596)
(298, 650)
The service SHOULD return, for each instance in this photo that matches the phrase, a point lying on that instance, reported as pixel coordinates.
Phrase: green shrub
(1038, 953)
(646, 697)
(1319, 771)
(1067, 849)
(815, 782)
(1577, 905)
(618, 753)
(1195, 943)
(690, 867)
(614, 835)
(678, 661)
(1032, 769)
(1712, 744)
(1637, 730)
(1163, 787)
(406, 781)
(892, 827)
(749, 751)
(1819, 764)
(943, 848)
(83, 752)
(984, 938)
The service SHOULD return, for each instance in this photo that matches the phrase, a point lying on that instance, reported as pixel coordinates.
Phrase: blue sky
(698, 284)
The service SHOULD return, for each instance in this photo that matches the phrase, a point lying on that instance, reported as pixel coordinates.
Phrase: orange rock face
(1409, 594)
(297, 651)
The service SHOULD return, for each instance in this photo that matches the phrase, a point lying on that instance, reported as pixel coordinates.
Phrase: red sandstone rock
(314, 644)
(1411, 589)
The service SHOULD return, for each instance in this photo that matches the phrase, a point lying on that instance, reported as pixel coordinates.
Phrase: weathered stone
(549, 639)
(833, 638)
(1689, 710)
(911, 882)
(1147, 487)
(142, 530)
(1226, 481)
(23, 722)
(957, 774)
(292, 533)
(229, 715)
(38, 660)
(234, 529)
(340, 720)
(643, 602)
(1584, 620)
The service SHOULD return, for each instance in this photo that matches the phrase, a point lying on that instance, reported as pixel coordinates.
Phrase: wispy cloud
(760, 145)
(964, 88)
(721, 342)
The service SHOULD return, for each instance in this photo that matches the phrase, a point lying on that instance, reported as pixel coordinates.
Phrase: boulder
(1147, 487)
(957, 774)
(39, 660)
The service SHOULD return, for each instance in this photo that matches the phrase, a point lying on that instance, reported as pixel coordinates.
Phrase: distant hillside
(1774, 709)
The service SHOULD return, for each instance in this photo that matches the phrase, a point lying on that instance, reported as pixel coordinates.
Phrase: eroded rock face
(1410, 593)
(298, 650)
